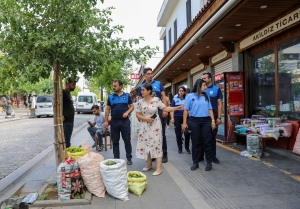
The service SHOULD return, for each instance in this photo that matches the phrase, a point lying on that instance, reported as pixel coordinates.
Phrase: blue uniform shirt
(177, 101)
(197, 106)
(157, 88)
(214, 93)
(118, 104)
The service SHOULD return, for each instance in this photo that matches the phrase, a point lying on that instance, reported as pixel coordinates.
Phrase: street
(22, 140)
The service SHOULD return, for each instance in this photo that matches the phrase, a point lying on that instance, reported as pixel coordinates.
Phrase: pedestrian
(216, 97)
(68, 111)
(159, 91)
(29, 100)
(177, 120)
(149, 144)
(119, 105)
(25, 100)
(201, 123)
(169, 100)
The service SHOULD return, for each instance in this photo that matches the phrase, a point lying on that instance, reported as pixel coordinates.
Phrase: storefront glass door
(263, 84)
(289, 79)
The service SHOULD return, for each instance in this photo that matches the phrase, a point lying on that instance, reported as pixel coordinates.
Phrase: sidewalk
(19, 113)
(237, 182)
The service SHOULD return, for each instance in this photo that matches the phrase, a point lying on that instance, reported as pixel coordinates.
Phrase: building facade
(259, 38)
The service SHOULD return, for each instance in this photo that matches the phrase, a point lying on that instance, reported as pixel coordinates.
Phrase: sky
(139, 18)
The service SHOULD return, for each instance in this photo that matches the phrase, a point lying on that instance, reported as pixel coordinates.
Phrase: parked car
(44, 106)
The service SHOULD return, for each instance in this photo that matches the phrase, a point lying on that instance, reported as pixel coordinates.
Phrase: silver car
(44, 106)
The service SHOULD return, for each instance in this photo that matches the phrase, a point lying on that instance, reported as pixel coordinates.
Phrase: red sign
(218, 77)
(235, 82)
(134, 76)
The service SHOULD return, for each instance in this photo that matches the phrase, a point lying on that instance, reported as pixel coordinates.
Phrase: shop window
(289, 79)
(263, 84)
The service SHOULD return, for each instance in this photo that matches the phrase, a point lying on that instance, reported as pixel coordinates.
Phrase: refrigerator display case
(232, 85)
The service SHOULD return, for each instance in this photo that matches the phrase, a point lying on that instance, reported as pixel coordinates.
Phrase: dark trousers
(167, 119)
(163, 125)
(214, 136)
(178, 120)
(201, 132)
(123, 126)
(96, 131)
(68, 130)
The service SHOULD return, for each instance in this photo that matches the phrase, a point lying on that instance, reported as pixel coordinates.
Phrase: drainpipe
(210, 23)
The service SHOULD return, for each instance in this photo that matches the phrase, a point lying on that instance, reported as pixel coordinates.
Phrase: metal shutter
(225, 66)
(196, 77)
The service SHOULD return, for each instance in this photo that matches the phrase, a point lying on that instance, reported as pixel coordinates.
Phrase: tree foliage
(63, 37)
(37, 33)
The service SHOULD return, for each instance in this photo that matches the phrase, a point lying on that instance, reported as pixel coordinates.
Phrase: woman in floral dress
(149, 144)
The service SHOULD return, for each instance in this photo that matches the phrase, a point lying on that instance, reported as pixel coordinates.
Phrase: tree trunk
(59, 139)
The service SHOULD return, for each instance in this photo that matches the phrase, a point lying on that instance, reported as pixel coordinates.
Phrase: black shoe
(94, 145)
(201, 159)
(179, 151)
(165, 159)
(188, 151)
(100, 148)
(215, 160)
(129, 162)
(208, 167)
(194, 166)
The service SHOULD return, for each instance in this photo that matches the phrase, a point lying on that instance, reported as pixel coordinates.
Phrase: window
(41, 99)
(188, 12)
(175, 31)
(165, 45)
(263, 84)
(88, 99)
(170, 37)
(289, 79)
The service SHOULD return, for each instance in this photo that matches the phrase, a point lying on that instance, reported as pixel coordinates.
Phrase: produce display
(75, 152)
(110, 162)
(137, 182)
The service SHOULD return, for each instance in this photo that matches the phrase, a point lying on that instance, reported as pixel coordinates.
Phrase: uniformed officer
(200, 123)
(119, 104)
(177, 119)
(159, 91)
(215, 95)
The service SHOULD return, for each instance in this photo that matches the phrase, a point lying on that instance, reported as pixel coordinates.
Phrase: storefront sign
(134, 76)
(167, 85)
(219, 57)
(274, 27)
(197, 68)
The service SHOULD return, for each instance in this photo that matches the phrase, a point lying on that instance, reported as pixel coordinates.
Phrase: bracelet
(212, 120)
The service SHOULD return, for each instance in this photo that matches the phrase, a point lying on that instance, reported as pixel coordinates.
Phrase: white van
(85, 101)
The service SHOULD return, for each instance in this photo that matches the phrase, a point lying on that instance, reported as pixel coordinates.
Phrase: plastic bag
(136, 185)
(90, 170)
(115, 178)
(254, 145)
(69, 180)
(11, 203)
(245, 153)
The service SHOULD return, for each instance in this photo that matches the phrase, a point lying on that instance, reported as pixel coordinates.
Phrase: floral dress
(150, 135)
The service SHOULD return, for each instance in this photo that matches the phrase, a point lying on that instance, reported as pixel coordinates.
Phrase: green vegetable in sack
(110, 162)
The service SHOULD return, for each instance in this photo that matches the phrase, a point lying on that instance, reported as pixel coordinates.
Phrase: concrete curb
(58, 203)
